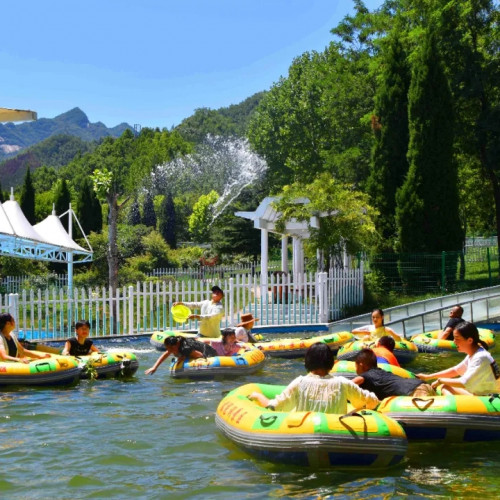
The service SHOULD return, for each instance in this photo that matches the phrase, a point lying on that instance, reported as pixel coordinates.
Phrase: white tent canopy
(47, 240)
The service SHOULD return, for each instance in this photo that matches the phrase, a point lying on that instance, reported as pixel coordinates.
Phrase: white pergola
(264, 218)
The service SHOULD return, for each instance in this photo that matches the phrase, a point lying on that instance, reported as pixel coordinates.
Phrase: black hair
(381, 314)
(319, 357)
(469, 331)
(461, 309)
(387, 342)
(367, 357)
(82, 322)
(4, 319)
(226, 332)
(171, 340)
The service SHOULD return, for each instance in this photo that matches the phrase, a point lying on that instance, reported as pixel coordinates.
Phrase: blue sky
(153, 62)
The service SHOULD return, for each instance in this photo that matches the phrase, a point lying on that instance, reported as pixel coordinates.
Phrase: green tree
(62, 199)
(201, 218)
(427, 203)
(148, 211)
(389, 164)
(134, 213)
(167, 220)
(27, 199)
(88, 208)
(345, 217)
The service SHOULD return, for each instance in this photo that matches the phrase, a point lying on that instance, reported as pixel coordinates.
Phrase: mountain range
(15, 138)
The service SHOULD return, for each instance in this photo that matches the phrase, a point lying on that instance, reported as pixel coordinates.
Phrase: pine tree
(27, 199)
(148, 211)
(167, 220)
(2, 199)
(88, 208)
(134, 214)
(96, 210)
(427, 203)
(389, 164)
(62, 199)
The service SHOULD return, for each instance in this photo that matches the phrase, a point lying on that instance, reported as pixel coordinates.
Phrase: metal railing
(431, 314)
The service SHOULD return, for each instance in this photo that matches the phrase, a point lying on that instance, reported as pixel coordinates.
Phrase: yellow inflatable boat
(347, 369)
(243, 363)
(429, 342)
(56, 370)
(404, 350)
(296, 348)
(450, 418)
(157, 339)
(361, 438)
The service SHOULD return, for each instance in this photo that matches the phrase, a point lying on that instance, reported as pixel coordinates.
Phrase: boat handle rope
(357, 412)
(38, 365)
(428, 403)
(302, 421)
(266, 421)
(492, 398)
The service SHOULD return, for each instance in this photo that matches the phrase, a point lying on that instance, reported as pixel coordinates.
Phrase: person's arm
(360, 397)
(67, 348)
(362, 329)
(93, 348)
(392, 333)
(444, 334)
(358, 380)
(260, 398)
(450, 372)
(159, 361)
(194, 354)
(34, 355)
(4, 356)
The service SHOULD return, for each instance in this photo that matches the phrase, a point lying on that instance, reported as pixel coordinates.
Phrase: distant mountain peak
(75, 116)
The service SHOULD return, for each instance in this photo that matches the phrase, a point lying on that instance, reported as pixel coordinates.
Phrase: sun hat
(246, 319)
(180, 313)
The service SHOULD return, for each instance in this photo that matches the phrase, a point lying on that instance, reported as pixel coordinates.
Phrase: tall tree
(167, 220)
(88, 208)
(148, 211)
(134, 213)
(389, 164)
(427, 203)
(27, 199)
(62, 199)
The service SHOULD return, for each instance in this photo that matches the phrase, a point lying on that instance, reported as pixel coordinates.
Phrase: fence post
(489, 265)
(323, 298)
(231, 302)
(14, 307)
(131, 310)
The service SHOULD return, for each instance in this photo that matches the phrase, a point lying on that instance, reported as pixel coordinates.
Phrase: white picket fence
(279, 300)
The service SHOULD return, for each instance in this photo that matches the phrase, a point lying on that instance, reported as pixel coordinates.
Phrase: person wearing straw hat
(243, 328)
(211, 312)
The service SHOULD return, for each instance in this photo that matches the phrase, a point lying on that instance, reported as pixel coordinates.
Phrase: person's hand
(150, 371)
(47, 355)
(253, 396)
(194, 316)
(422, 376)
(435, 383)
(177, 304)
(25, 360)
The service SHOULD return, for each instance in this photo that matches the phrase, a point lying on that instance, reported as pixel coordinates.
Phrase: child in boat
(243, 329)
(477, 374)
(384, 350)
(377, 329)
(228, 346)
(385, 384)
(319, 391)
(181, 348)
(10, 348)
(80, 344)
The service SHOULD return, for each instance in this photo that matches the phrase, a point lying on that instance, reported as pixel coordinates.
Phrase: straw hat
(246, 319)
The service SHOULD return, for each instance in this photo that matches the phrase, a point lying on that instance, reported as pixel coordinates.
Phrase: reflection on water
(154, 437)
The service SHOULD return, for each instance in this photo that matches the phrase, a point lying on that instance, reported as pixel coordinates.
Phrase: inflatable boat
(429, 342)
(296, 348)
(244, 363)
(361, 438)
(449, 418)
(157, 339)
(56, 370)
(405, 351)
(347, 369)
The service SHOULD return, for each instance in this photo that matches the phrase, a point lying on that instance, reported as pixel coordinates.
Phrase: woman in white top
(377, 329)
(477, 374)
(319, 391)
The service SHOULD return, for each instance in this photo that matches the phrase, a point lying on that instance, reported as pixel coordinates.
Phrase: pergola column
(264, 255)
(284, 253)
(298, 256)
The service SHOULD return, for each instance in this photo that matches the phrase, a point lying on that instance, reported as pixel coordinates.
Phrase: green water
(153, 437)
